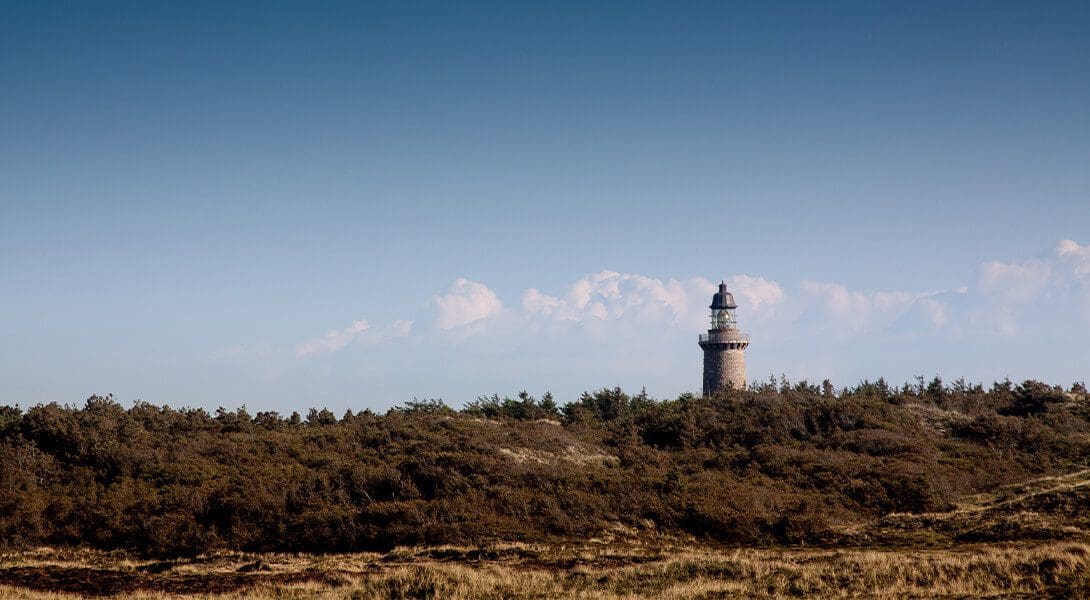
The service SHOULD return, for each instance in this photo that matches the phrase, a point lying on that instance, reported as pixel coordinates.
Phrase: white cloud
(848, 311)
(1078, 257)
(1032, 292)
(398, 329)
(359, 331)
(757, 292)
(534, 302)
(1008, 298)
(333, 340)
(935, 310)
(1017, 281)
(837, 299)
(464, 303)
(1072, 248)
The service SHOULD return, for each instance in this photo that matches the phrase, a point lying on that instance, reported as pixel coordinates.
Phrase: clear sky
(288, 205)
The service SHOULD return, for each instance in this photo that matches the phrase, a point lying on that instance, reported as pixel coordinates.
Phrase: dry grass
(602, 572)
(1046, 509)
(580, 455)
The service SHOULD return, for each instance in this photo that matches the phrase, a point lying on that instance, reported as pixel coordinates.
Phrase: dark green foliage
(780, 464)
(1033, 398)
(526, 408)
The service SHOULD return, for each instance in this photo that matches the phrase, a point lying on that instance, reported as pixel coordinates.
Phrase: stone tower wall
(736, 368)
(723, 367)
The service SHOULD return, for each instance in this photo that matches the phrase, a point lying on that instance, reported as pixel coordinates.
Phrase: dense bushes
(778, 464)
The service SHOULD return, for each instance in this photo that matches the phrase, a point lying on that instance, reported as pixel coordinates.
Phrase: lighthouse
(724, 346)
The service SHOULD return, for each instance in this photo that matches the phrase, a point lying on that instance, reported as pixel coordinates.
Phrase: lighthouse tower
(724, 346)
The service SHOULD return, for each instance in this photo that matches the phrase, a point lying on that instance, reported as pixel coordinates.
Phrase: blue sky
(350, 205)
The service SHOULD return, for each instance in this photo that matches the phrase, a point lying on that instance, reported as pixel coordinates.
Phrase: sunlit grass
(536, 571)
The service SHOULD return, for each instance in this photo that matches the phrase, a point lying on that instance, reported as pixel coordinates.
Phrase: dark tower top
(723, 298)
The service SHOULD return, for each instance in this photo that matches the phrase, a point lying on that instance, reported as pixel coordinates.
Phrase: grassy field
(1060, 570)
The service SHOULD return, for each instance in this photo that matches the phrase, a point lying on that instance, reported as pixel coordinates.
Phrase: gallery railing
(724, 337)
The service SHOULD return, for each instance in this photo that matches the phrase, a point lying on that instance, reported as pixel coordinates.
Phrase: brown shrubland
(778, 490)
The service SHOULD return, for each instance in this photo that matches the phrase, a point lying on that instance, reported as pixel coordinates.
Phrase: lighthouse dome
(723, 298)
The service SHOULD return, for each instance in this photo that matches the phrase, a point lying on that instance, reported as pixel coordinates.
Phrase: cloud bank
(1004, 298)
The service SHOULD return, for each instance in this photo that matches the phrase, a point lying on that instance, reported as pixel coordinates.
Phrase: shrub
(775, 465)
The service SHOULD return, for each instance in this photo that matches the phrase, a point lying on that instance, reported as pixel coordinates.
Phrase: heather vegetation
(779, 464)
